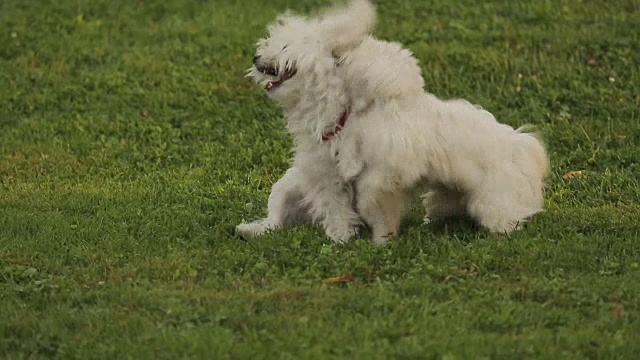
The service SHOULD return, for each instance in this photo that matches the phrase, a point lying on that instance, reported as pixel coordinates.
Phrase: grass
(131, 145)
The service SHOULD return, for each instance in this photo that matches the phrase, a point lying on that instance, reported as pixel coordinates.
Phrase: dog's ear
(288, 18)
(344, 27)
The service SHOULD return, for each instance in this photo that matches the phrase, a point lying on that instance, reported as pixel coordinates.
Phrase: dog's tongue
(273, 83)
(269, 84)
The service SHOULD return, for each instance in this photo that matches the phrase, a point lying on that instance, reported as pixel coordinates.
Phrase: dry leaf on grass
(572, 174)
(338, 279)
(617, 310)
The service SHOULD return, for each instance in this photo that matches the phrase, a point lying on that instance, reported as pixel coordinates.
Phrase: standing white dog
(366, 135)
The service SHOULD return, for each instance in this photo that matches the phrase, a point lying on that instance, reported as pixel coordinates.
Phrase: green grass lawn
(131, 145)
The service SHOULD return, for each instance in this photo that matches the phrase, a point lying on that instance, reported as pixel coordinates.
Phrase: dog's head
(301, 51)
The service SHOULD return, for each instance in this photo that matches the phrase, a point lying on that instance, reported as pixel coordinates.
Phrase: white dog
(367, 135)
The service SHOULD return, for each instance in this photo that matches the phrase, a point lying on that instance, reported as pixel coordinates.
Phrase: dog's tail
(535, 150)
(346, 25)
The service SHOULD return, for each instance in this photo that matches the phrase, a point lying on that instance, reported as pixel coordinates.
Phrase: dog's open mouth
(273, 71)
(286, 75)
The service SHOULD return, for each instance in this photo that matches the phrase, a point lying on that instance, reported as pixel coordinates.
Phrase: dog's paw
(382, 239)
(507, 227)
(341, 235)
(250, 230)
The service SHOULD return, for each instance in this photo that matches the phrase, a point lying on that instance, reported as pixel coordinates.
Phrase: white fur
(397, 139)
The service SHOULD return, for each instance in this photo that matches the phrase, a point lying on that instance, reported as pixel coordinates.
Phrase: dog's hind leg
(441, 203)
(505, 201)
(499, 212)
(285, 207)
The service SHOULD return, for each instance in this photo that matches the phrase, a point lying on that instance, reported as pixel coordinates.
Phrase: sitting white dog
(367, 135)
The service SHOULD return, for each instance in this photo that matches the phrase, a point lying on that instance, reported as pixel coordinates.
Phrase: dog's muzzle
(272, 70)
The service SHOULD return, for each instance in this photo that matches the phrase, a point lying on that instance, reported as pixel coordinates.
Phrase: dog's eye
(284, 47)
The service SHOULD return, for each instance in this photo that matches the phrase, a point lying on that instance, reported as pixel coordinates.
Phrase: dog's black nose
(256, 58)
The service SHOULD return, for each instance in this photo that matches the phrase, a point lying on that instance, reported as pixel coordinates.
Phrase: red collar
(343, 120)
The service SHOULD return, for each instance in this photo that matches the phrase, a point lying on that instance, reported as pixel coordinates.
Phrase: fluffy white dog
(367, 136)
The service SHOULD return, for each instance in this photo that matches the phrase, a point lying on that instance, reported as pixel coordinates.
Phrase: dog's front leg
(348, 160)
(380, 207)
(285, 207)
(330, 202)
(339, 220)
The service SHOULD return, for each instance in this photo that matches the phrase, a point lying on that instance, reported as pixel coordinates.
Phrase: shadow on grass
(460, 227)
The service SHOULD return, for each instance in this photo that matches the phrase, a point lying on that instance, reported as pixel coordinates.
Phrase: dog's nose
(256, 58)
